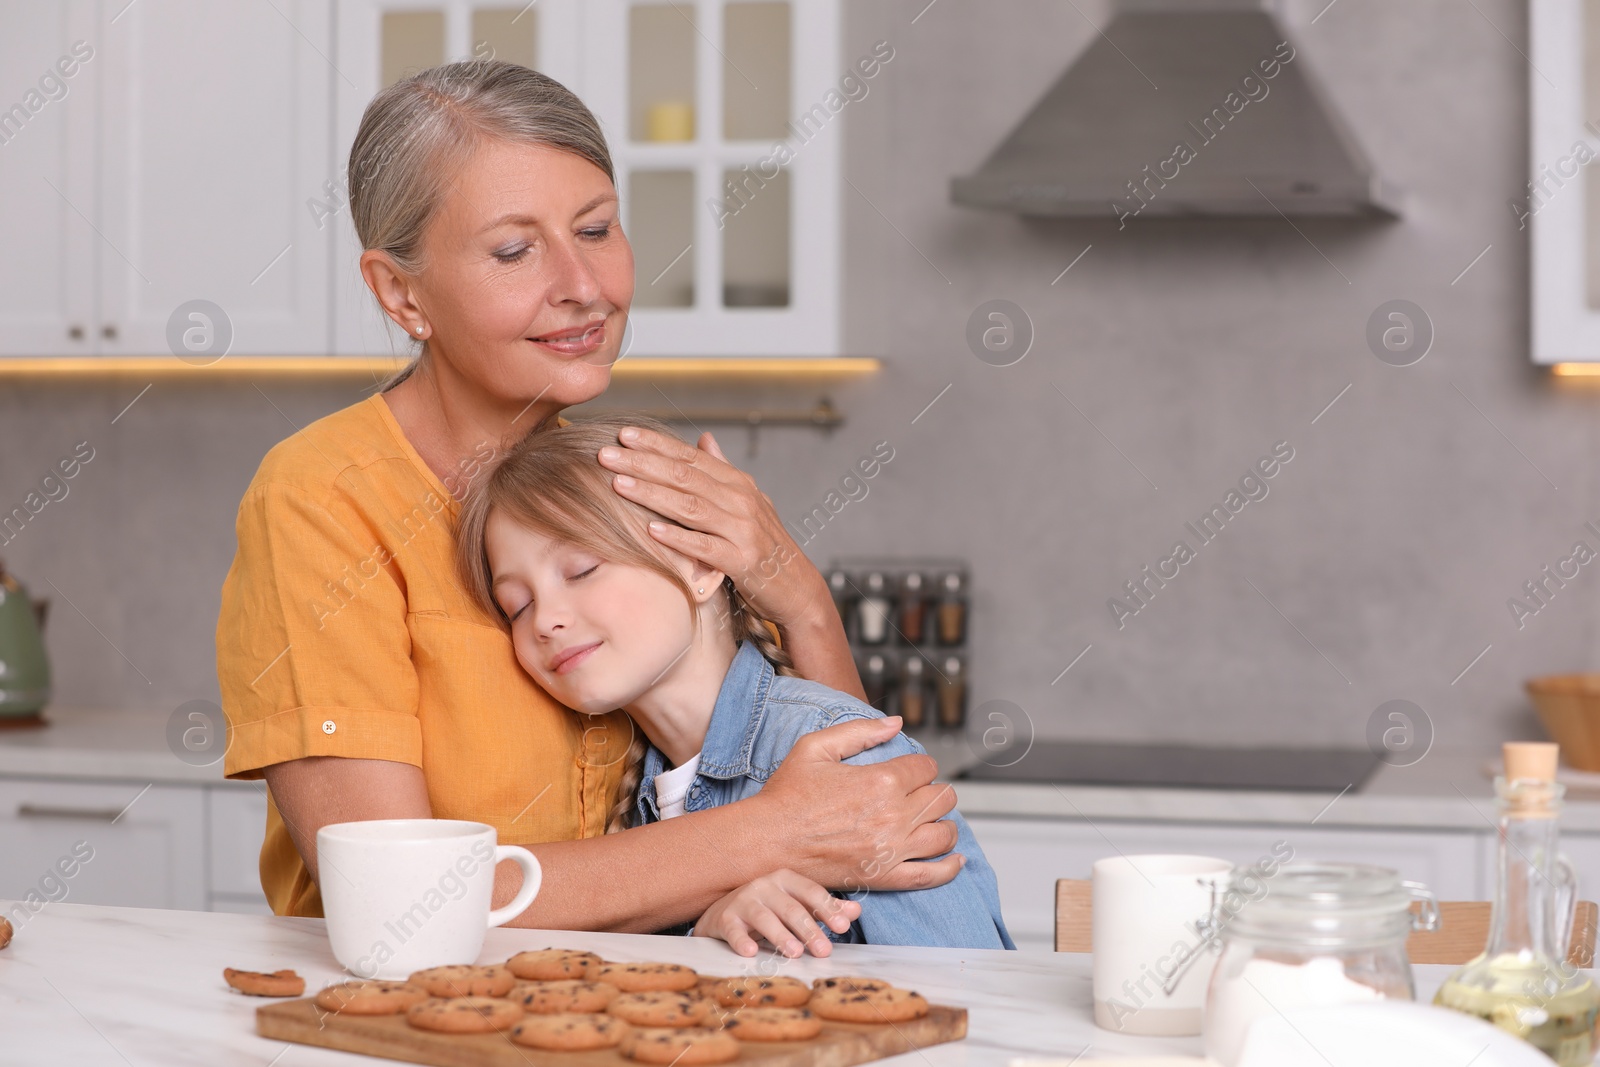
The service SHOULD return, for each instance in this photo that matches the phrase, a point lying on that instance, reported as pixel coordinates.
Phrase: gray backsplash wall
(1166, 362)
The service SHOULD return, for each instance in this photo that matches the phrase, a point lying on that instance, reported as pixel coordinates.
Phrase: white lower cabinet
(238, 823)
(191, 847)
(1028, 855)
(198, 847)
(102, 844)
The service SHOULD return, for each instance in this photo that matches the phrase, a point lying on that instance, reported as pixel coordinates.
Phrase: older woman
(363, 683)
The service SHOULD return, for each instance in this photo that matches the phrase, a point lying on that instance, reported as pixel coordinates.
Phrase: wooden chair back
(1462, 933)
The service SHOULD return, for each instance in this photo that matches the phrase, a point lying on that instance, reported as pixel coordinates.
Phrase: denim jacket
(759, 715)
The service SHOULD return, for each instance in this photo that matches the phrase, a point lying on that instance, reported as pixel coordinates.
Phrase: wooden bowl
(1569, 707)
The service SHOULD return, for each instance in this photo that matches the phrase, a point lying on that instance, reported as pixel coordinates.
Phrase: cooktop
(1312, 770)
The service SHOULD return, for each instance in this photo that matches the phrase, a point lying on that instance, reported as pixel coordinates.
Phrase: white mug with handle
(404, 894)
(1152, 941)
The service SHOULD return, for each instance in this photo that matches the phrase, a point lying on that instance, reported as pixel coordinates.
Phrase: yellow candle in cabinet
(670, 120)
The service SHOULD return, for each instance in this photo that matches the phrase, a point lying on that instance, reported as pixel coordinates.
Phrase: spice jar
(875, 679)
(913, 607)
(952, 608)
(839, 588)
(952, 691)
(1310, 935)
(873, 610)
(914, 691)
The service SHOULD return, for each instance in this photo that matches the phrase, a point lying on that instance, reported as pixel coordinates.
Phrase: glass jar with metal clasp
(1311, 934)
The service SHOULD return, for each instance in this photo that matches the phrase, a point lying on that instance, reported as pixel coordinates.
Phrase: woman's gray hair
(421, 130)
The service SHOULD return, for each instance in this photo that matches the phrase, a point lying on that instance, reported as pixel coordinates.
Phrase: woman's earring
(419, 331)
(702, 589)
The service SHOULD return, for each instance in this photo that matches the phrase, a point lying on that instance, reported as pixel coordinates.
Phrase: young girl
(604, 617)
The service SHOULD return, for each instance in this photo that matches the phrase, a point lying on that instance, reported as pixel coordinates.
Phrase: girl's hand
(784, 908)
(732, 525)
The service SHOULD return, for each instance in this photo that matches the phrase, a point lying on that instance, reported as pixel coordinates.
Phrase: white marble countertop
(102, 744)
(1444, 791)
(126, 987)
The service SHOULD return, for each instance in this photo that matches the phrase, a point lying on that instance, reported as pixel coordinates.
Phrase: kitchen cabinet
(381, 41)
(728, 162)
(113, 843)
(237, 823)
(198, 152)
(1553, 207)
(47, 141)
(733, 210)
(124, 843)
(213, 138)
(177, 166)
(198, 846)
(1028, 855)
(195, 838)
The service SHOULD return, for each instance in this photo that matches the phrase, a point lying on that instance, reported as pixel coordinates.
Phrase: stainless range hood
(1183, 108)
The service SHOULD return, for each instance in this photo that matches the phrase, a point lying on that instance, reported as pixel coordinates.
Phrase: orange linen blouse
(343, 632)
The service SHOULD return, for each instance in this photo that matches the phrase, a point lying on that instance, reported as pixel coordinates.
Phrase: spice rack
(907, 621)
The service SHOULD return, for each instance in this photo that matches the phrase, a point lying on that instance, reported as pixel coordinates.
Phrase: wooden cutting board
(391, 1037)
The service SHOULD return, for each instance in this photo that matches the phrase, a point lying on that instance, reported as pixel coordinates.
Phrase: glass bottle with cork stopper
(1522, 982)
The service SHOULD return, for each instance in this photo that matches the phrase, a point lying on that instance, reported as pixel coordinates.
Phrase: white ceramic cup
(1149, 914)
(403, 894)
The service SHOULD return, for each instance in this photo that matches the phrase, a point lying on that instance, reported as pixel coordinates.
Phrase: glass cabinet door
(730, 202)
(381, 41)
(731, 206)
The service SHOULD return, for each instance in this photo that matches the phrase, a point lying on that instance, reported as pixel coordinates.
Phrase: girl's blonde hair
(417, 133)
(552, 483)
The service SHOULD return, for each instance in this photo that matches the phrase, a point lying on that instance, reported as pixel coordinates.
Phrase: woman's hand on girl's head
(784, 908)
(853, 827)
(732, 525)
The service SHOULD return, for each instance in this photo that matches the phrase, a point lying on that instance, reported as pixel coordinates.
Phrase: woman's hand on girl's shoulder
(784, 908)
(853, 827)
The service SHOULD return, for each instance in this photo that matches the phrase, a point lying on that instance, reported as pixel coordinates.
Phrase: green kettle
(24, 668)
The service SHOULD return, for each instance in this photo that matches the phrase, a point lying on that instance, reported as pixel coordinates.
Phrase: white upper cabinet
(211, 146)
(730, 199)
(176, 165)
(47, 180)
(382, 41)
(1558, 206)
(726, 150)
(161, 152)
